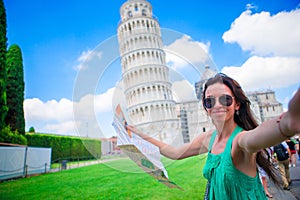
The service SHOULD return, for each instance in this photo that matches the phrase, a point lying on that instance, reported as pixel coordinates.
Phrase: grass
(118, 179)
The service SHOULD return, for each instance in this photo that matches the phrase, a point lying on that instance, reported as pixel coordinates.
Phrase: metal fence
(22, 161)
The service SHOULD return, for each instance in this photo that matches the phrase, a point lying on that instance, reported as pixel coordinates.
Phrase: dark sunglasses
(225, 100)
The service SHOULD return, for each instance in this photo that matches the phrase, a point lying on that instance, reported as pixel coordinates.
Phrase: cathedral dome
(208, 73)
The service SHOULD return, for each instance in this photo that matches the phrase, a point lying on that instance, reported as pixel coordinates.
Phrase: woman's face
(218, 111)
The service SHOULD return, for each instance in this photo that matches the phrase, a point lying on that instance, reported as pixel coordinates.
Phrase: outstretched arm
(195, 147)
(273, 131)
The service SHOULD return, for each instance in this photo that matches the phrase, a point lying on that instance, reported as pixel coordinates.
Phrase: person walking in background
(234, 147)
(292, 146)
(297, 145)
(264, 181)
(267, 153)
(283, 153)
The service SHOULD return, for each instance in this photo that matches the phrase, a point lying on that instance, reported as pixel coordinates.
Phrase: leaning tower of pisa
(147, 88)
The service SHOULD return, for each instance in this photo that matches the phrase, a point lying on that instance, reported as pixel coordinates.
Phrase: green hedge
(64, 147)
(9, 136)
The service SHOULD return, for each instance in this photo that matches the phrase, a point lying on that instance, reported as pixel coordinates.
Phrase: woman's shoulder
(206, 135)
(202, 140)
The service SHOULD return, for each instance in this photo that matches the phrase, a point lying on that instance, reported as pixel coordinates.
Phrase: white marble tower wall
(147, 88)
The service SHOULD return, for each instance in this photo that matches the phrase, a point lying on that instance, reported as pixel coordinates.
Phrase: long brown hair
(244, 119)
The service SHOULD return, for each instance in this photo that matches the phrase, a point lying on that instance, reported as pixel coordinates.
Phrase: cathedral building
(268, 106)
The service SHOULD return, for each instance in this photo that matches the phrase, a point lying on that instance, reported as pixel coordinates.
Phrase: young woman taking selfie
(235, 146)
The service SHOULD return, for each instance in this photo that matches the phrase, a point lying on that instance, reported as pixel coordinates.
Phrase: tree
(15, 89)
(31, 129)
(3, 49)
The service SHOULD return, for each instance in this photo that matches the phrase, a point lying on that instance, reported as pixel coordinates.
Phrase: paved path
(82, 164)
(294, 193)
(295, 175)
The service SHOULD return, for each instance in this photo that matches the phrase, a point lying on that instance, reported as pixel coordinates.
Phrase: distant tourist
(292, 146)
(283, 155)
(267, 153)
(297, 145)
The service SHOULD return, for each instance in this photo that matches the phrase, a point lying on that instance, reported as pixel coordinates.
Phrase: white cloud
(266, 72)
(86, 56)
(103, 102)
(50, 116)
(185, 50)
(251, 6)
(51, 110)
(274, 42)
(58, 116)
(264, 34)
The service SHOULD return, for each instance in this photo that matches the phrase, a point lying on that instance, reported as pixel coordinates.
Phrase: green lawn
(119, 179)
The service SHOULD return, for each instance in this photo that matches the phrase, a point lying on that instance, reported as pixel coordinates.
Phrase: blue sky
(256, 42)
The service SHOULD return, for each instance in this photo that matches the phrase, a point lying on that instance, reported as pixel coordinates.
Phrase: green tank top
(225, 181)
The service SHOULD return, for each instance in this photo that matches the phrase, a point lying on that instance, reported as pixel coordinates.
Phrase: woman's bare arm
(195, 147)
(273, 131)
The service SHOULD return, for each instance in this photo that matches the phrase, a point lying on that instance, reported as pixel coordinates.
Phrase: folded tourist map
(143, 153)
